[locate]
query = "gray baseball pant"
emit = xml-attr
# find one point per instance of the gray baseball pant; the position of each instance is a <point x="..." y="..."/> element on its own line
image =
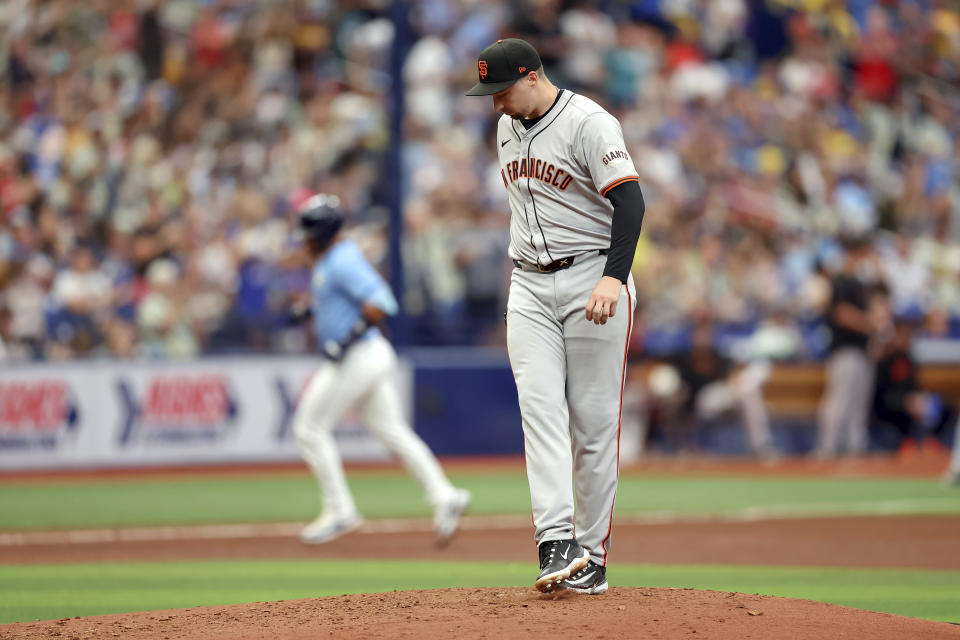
<point x="845" y="408"/>
<point x="569" y="374"/>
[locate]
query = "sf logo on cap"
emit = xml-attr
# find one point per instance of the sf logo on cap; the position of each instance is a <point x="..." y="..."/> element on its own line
<point x="483" y="69"/>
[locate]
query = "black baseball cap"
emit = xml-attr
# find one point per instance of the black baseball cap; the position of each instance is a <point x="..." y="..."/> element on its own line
<point x="503" y="63"/>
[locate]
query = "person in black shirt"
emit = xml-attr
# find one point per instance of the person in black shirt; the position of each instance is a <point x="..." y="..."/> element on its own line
<point x="715" y="385"/>
<point x="845" y="407"/>
<point x="900" y="401"/>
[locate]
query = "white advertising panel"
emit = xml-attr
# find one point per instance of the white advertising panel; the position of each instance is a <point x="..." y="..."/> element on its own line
<point x="115" y="414"/>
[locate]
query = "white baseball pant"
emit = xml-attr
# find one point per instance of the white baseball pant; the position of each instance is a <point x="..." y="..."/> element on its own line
<point x="363" y="378"/>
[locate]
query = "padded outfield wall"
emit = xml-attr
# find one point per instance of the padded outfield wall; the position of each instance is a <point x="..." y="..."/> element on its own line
<point x="116" y="414"/>
<point x="235" y="410"/>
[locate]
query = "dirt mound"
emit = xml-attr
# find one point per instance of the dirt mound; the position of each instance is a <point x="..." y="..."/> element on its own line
<point x="624" y="612"/>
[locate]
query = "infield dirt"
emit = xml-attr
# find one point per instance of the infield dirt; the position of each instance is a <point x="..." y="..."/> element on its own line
<point x="909" y="542"/>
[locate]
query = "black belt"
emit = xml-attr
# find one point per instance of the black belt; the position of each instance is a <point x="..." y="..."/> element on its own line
<point x="556" y="265"/>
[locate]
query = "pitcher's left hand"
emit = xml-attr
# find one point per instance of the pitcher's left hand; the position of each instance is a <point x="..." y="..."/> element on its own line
<point x="603" y="301"/>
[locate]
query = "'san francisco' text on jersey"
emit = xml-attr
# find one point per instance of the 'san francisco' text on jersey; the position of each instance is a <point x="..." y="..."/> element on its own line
<point x="537" y="169"/>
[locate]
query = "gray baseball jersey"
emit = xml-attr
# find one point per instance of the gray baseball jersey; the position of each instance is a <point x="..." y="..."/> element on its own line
<point x="557" y="174"/>
<point x="569" y="371"/>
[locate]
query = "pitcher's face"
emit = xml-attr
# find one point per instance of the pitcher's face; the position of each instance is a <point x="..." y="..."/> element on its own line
<point x="518" y="100"/>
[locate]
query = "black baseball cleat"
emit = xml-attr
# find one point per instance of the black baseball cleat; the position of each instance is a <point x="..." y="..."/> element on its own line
<point x="559" y="559"/>
<point x="591" y="580"/>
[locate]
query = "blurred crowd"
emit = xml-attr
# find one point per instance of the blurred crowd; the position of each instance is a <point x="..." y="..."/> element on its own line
<point x="150" y="151"/>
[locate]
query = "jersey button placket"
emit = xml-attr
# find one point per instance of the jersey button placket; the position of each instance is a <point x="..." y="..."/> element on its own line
<point x="524" y="191"/>
<point x="527" y="189"/>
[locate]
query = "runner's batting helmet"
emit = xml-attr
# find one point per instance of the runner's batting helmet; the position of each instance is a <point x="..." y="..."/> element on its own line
<point x="320" y="218"/>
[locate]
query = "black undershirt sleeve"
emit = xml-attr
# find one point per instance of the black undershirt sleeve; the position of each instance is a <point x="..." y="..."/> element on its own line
<point x="628" y="211"/>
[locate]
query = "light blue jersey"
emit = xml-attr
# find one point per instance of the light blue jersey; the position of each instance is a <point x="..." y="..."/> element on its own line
<point x="342" y="281"/>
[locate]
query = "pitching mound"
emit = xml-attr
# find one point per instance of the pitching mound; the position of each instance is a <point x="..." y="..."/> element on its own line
<point x="501" y="612"/>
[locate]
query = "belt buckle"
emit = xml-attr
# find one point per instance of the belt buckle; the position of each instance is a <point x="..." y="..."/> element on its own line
<point x="556" y="265"/>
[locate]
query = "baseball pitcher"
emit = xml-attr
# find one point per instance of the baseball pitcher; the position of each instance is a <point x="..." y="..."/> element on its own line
<point x="576" y="211"/>
<point x="348" y="300"/>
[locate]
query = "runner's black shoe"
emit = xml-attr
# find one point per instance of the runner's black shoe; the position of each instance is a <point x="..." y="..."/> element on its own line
<point x="559" y="559"/>
<point x="591" y="580"/>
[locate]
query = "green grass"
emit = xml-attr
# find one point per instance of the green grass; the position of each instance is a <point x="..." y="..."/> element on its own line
<point x="232" y="497"/>
<point x="29" y="592"/>
<point x="32" y="592"/>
